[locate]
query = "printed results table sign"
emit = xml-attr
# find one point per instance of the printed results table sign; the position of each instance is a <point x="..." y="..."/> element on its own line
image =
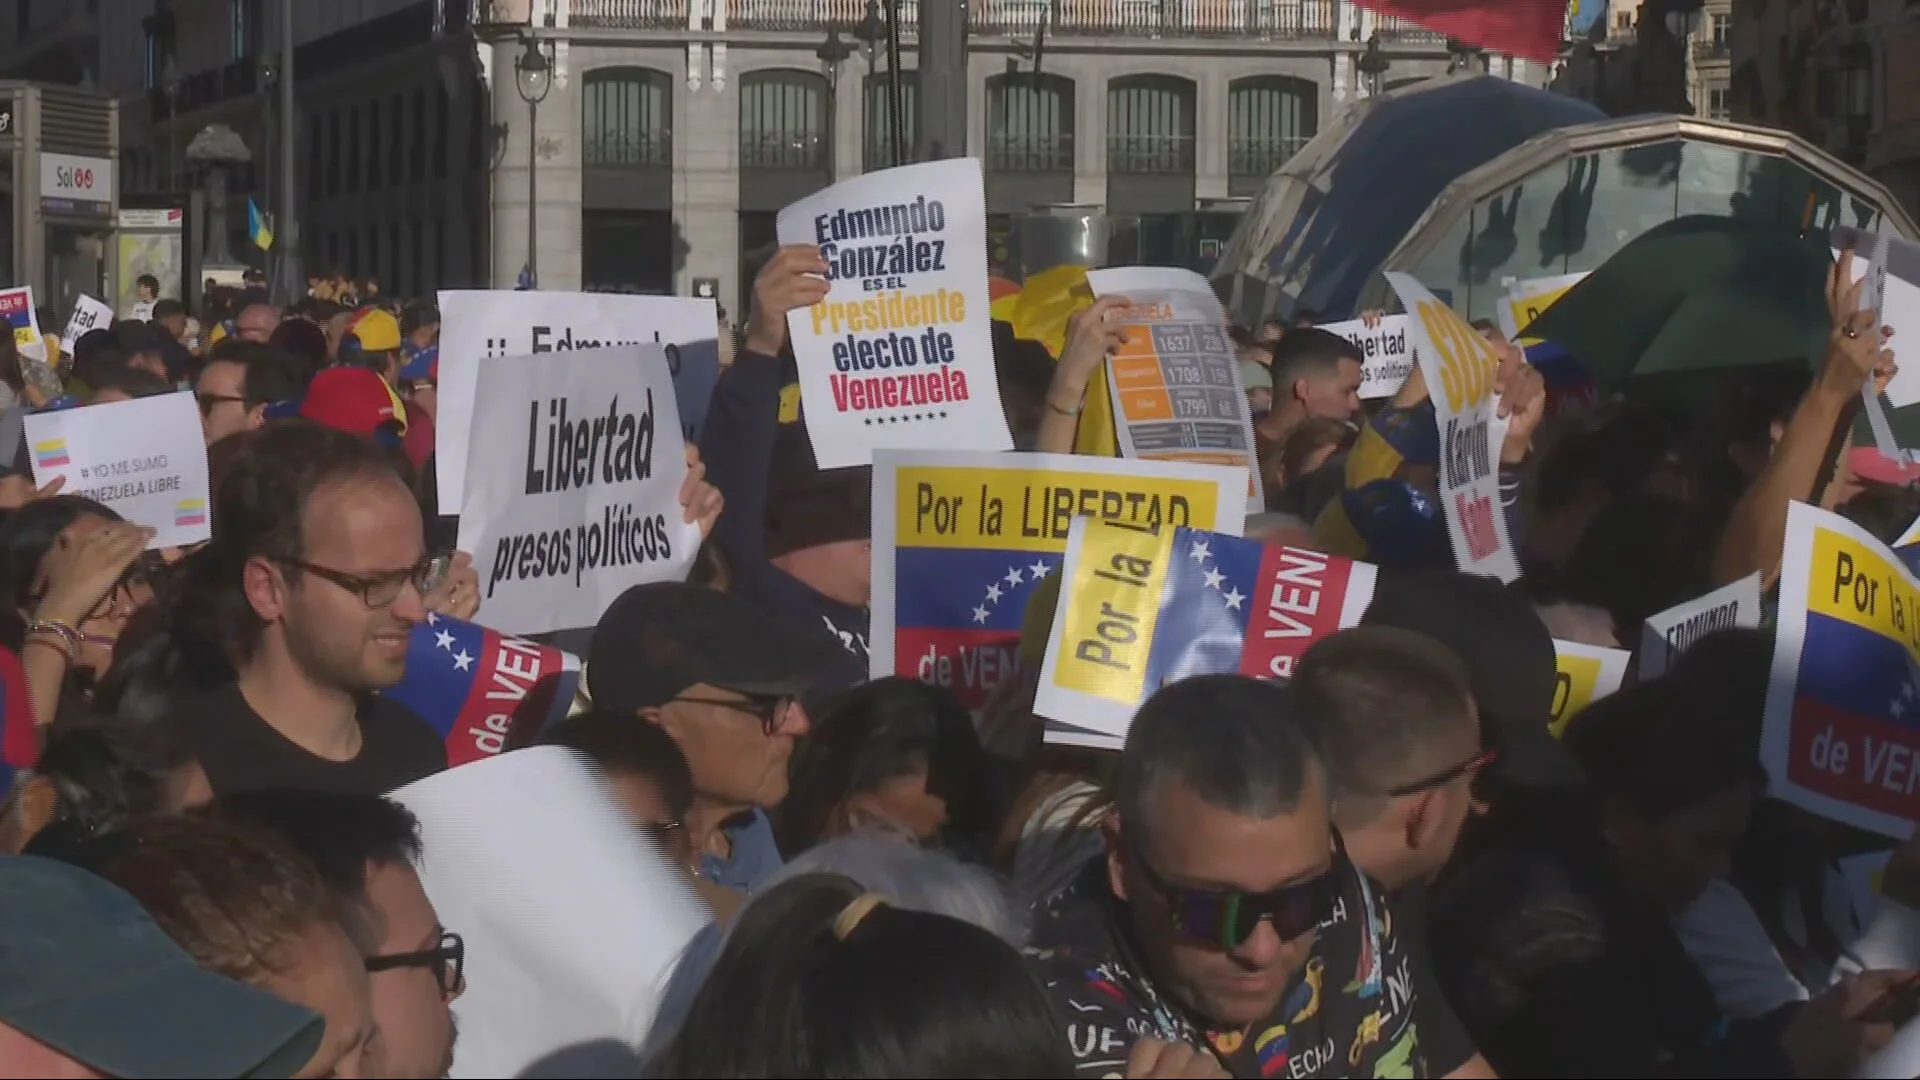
<point x="1583" y="674"/>
<point x="481" y="324"/>
<point x="961" y="540"/>
<point x="145" y="458"/>
<point x="1842" y="726"/>
<point x="577" y="497"/>
<point x="1388" y="352"/>
<point x="900" y="353"/>
<point x="1143" y="607"/>
<point x="1175" y="383"/>
<point x="1459" y="366"/>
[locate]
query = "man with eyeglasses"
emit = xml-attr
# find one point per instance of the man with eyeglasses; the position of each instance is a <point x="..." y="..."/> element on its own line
<point x="724" y="681"/>
<point x="1226" y="914"/>
<point x="238" y="383"/>
<point x="366" y="848"/>
<point x="316" y="574"/>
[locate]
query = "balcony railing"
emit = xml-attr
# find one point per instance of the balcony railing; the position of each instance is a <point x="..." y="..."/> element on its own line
<point x="1030" y="153"/>
<point x="628" y="150"/>
<point x="1315" y="20"/>
<point x="1150" y="155"/>
<point x="1711" y="50"/>
<point x="784" y="151"/>
<point x="1261" y="157"/>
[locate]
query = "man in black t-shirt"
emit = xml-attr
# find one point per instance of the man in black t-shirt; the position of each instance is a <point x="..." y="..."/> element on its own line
<point x="320" y="548"/>
<point x="1226" y="914"/>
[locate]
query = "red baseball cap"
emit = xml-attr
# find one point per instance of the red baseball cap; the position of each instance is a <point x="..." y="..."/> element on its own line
<point x="1868" y="463"/>
<point x="354" y="400"/>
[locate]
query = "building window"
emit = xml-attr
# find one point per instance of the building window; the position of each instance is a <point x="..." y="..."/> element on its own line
<point x="1719" y="32"/>
<point x="243" y="29"/>
<point x="1150" y="125"/>
<point x="373" y="145"/>
<point x="418" y="150"/>
<point x="1717" y="104"/>
<point x="1623" y="20"/>
<point x="1269" y="118"/>
<point x="879" y="151"/>
<point x="315" y="159"/>
<point x="152" y="63"/>
<point x="1030" y="123"/>
<point x="785" y="121"/>
<point x="440" y="111"/>
<point x="626" y="117"/>
<point x="333" y="152"/>
<point x="397" y="140"/>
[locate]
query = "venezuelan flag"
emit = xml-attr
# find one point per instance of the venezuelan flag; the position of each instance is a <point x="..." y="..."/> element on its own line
<point x="51" y="454"/>
<point x="257" y="227"/>
<point x="189" y="512"/>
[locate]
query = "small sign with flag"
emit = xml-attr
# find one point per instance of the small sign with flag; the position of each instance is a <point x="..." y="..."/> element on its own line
<point x="479" y="688"/>
<point x="259" y="226"/>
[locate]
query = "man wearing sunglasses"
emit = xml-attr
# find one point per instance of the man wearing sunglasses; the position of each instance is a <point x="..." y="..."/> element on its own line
<point x="1393" y="715"/>
<point x="1225" y="914"/>
<point x="366" y="848"/>
<point x="725" y="682"/>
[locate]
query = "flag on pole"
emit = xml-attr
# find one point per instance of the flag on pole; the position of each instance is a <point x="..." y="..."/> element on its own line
<point x="1529" y="29"/>
<point x="258" y="228"/>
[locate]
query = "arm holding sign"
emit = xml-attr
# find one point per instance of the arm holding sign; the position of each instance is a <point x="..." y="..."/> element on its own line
<point x="1757" y="528"/>
<point x="1091" y="337"/>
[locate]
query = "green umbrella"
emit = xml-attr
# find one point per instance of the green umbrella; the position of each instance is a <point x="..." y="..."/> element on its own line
<point x="1695" y="294"/>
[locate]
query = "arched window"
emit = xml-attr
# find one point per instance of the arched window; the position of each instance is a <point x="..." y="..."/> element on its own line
<point x="1269" y="118"/>
<point x="880" y="152"/>
<point x="1150" y="120"/>
<point x="1029" y="123"/>
<point x="626" y="118"/>
<point x="786" y="121"/>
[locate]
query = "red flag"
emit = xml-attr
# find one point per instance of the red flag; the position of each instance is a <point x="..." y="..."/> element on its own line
<point x="1530" y="29"/>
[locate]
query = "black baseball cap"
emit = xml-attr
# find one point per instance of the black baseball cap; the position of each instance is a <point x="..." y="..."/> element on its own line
<point x="90" y="974"/>
<point x="657" y="640"/>
<point x="1509" y="656"/>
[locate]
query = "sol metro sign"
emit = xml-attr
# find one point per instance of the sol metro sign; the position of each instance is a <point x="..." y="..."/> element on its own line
<point x="71" y="184"/>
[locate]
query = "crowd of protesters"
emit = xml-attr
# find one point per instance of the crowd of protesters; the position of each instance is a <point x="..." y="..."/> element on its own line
<point x="1388" y="866"/>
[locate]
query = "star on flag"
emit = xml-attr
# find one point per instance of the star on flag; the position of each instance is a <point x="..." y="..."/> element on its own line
<point x="1201" y="553"/>
<point x="1015" y="577"/>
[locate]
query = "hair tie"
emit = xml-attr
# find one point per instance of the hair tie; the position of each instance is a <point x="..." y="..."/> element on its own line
<point x="855" y="913"/>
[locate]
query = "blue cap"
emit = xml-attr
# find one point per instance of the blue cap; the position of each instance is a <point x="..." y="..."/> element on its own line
<point x="91" y="975"/>
<point x="422" y="364"/>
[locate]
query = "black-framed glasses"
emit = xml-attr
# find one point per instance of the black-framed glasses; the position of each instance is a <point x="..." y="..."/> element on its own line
<point x="209" y="402"/>
<point x="1227" y="917"/>
<point x="1470" y="767"/>
<point x="770" y="711"/>
<point x="382" y="587"/>
<point x="447" y="961"/>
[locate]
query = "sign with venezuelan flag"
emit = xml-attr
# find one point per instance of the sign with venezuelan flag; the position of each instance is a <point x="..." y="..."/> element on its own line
<point x="1143" y="606"/>
<point x="962" y="538"/>
<point x="1583" y="675"/>
<point x="16" y="308"/>
<point x="483" y="691"/>
<point x="146" y="458"/>
<point x="1842" y="730"/>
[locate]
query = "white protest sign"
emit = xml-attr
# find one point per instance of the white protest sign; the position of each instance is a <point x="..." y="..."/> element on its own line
<point x="1889" y="269"/>
<point x="1174" y="383"/>
<point x="146" y="458"/>
<point x="88" y="315"/>
<point x="1459" y="365"/>
<point x="1388" y="350"/>
<point x="1527" y="298"/>
<point x="574" y="495"/>
<point x="900" y="353"/>
<point x="483" y="323"/>
<point x="1672" y="632"/>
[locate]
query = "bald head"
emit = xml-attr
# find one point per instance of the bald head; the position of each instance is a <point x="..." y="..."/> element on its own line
<point x="255" y="323"/>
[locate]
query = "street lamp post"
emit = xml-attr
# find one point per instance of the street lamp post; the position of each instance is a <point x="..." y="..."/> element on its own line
<point x="832" y="53"/>
<point x="533" y="78"/>
<point x="1374" y="65"/>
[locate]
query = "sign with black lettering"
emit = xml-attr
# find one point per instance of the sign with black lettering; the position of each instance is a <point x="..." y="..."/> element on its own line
<point x="1675" y="630"/>
<point x="575" y="494"/>
<point x="146" y="458"/>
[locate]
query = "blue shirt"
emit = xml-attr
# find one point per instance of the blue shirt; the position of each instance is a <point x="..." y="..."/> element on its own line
<point x="754" y="854"/>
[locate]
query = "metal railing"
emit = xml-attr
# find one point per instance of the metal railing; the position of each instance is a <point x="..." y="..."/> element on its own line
<point x="628" y="149"/>
<point x="1261" y="157"/>
<point x="1051" y="152"/>
<point x="1153" y="155"/>
<point x="1394" y="28"/>
<point x="784" y="151"/>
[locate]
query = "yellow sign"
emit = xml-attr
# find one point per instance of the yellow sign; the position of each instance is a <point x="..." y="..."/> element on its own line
<point x="1856" y="584"/>
<point x="947" y="506"/>
<point x="1467" y="362"/>
<point x="1527" y="299"/>
<point x="1584" y="675"/>
<point x="1102" y="642"/>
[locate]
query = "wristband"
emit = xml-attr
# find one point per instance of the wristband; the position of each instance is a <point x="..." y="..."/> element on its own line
<point x="51" y="630"/>
<point x="1075" y="411"/>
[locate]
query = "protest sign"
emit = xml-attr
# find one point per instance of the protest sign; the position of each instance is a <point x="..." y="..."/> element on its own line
<point x="1583" y="674"/>
<point x="487" y="323"/>
<point x="146" y="458"/>
<point x="1910" y="536"/>
<point x="1890" y="268"/>
<point x="900" y="353"/>
<point x="1526" y="299"/>
<point x="88" y="315"/>
<point x="1142" y="607"/>
<point x="478" y="687"/>
<point x="588" y="503"/>
<point x="1388" y="350"/>
<point x="16" y="307"/>
<point x="1459" y="367"/>
<point x="1843" y="708"/>
<point x="1673" y="631"/>
<point x="1175" y="382"/>
<point x="961" y="538"/>
<point x="572" y="920"/>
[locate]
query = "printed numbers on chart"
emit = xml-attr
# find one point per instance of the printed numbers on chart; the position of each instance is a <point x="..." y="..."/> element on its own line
<point x="1193" y="410"/>
<point x="1466" y="372"/>
<point x="1185" y="376"/>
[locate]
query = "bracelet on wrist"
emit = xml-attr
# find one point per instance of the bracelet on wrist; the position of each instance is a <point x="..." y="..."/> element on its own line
<point x="55" y="632"/>
<point x="1057" y="407"/>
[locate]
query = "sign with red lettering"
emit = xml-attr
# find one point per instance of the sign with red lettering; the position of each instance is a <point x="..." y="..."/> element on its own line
<point x="1459" y="366"/>
<point x="481" y="690"/>
<point x="900" y="353"/>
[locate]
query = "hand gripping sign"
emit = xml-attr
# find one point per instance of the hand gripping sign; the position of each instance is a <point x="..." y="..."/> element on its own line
<point x="1143" y="607"/>
<point x="1459" y="366"/>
